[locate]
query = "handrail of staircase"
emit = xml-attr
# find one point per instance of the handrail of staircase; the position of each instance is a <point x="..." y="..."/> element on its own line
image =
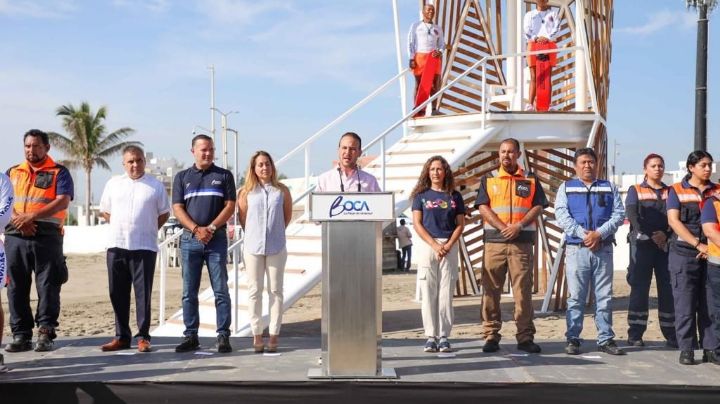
<point x="304" y="194"/>
<point x="381" y="138"/>
<point x="340" y="118"/>
<point x="163" y="261"/>
<point x="451" y="83"/>
<point x="520" y="85"/>
<point x="236" y="250"/>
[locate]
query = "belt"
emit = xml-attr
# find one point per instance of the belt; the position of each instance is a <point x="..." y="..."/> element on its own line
<point x="581" y="245"/>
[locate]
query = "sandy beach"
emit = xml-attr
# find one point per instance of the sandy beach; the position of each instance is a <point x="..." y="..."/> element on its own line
<point x="86" y="309"/>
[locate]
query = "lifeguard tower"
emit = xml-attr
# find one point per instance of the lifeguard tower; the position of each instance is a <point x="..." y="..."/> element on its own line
<point x="481" y="101"/>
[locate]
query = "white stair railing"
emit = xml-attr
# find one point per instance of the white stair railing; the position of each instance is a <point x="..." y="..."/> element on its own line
<point x="162" y="260"/>
<point x="305" y="146"/>
<point x="236" y="247"/>
<point x="235" y="250"/>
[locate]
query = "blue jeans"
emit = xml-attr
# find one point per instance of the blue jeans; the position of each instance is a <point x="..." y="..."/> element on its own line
<point x="585" y="269"/>
<point x="214" y="255"/>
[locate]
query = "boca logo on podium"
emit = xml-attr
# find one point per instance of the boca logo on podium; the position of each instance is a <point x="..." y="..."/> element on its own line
<point x="346" y="206"/>
<point x="352" y="206"/>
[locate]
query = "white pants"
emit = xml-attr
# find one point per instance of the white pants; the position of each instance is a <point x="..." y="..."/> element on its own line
<point x="258" y="268"/>
<point x="437" y="282"/>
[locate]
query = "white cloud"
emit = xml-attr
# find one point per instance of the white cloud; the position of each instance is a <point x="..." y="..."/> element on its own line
<point x="661" y="20"/>
<point x="36" y="8"/>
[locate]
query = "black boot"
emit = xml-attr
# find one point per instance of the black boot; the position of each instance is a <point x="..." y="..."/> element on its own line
<point x="20" y="343"/>
<point x="687" y="357"/>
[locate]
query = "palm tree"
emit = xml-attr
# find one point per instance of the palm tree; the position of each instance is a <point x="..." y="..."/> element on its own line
<point x="704" y="7"/>
<point x="88" y="144"/>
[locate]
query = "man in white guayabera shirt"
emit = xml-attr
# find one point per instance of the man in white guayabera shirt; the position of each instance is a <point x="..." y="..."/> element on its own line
<point x="136" y="205"/>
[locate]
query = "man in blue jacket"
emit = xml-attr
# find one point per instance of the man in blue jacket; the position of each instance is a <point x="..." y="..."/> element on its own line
<point x="589" y="210"/>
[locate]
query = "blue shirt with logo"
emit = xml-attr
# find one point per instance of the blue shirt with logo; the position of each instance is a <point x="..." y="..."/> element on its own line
<point x="203" y="192"/>
<point x="439" y="211"/>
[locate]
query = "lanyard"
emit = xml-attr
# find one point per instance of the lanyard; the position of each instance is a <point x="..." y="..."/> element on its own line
<point x="342" y="186"/>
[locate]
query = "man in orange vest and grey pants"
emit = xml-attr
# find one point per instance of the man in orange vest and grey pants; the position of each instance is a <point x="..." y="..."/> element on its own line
<point x="509" y="204"/>
<point x="34" y="243"/>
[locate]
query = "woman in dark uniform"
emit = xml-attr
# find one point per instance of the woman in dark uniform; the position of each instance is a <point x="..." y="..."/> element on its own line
<point x="687" y="258"/>
<point x="646" y="211"/>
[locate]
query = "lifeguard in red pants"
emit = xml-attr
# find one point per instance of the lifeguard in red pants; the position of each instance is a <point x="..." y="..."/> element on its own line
<point x="540" y="28"/>
<point x="425" y="46"/>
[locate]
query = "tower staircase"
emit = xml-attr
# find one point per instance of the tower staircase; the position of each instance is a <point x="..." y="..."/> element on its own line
<point x="481" y="102"/>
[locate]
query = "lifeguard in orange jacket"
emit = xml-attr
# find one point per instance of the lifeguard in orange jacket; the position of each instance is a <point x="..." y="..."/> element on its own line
<point x="687" y="259"/>
<point x="648" y="237"/>
<point x="509" y="204"/>
<point x="43" y="190"/>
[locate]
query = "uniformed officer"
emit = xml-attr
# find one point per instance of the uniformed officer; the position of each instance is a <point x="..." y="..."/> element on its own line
<point x="509" y="204"/>
<point x="687" y="258"/>
<point x="34" y="243"/>
<point x="649" y="231"/>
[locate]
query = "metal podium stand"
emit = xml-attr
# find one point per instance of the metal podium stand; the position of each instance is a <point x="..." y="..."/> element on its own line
<point x="351" y="283"/>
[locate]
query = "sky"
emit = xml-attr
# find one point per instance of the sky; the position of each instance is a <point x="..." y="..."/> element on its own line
<point x="288" y="67"/>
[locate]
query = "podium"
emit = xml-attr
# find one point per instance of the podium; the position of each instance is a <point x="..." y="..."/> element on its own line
<point x="351" y="283"/>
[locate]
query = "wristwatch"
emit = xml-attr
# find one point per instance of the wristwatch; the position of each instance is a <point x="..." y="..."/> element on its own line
<point x="212" y="227"/>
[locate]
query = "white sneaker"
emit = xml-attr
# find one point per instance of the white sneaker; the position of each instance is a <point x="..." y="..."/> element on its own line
<point x="529" y="107"/>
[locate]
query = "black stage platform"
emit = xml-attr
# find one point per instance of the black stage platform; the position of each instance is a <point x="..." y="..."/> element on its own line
<point x="76" y="371"/>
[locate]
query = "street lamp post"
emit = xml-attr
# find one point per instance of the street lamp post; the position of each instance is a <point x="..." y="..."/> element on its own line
<point x="704" y="7"/>
<point x="224" y="134"/>
<point x="212" y="101"/>
<point x="236" y="173"/>
<point x="615" y="154"/>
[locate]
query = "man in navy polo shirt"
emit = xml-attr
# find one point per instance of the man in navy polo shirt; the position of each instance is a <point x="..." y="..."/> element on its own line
<point x="203" y="201"/>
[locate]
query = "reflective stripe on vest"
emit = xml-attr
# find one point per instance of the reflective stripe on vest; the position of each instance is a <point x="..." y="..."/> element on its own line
<point x="590" y="207"/>
<point x="690" y="205"/>
<point x="29" y="197"/>
<point x="649" y="194"/>
<point x="505" y="201"/>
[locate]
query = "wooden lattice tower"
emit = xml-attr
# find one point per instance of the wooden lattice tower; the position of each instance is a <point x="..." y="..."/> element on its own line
<point x="473" y="30"/>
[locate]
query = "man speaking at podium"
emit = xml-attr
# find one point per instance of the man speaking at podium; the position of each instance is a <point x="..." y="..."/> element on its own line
<point x="347" y="176"/>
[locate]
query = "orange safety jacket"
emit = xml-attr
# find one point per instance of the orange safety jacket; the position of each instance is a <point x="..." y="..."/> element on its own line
<point x="714" y="250"/>
<point x="690" y="206"/>
<point x="648" y="194"/>
<point x="34" y="189"/>
<point x="511" y="198"/>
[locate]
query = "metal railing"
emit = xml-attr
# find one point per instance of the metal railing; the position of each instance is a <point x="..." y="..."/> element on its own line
<point x="236" y="247"/>
<point x="234" y="250"/>
<point x="383" y="135"/>
<point x="520" y="85"/>
<point x="163" y="248"/>
<point x="305" y="146"/>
